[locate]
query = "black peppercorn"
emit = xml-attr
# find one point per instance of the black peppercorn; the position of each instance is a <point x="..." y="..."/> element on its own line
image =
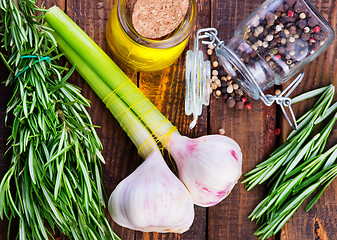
<point x="230" y="102"/>
<point x="224" y="84"/>
<point x="302" y="23"/>
<point x="285" y="20"/>
<point x="237" y="97"/>
<point x="305" y="36"/>
<point x="273" y="43"/>
<point x="299" y="7"/>
<point x="246" y="57"/>
<point x="312" y="22"/>
<point x="240" y="105"/>
<point x="292" y="30"/>
<point x="225" y="95"/>
<point x="319" y="36"/>
<point x="290" y="46"/>
<point x="299" y="31"/>
<point x="281" y="50"/>
<point x="270" y="17"/>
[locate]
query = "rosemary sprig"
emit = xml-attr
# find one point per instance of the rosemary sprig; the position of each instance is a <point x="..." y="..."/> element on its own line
<point x="297" y="168"/>
<point x="285" y="155"/>
<point x="54" y="179"/>
<point x="275" y="210"/>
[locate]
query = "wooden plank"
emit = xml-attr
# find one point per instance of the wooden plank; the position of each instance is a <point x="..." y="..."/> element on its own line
<point x="166" y="89"/>
<point x="120" y="154"/>
<point x="320" y="222"/>
<point x="253" y="130"/>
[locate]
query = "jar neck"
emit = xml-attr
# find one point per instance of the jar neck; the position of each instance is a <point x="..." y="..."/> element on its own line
<point x="171" y="40"/>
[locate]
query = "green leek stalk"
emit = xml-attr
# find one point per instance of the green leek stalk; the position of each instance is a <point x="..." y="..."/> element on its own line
<point x="101" y="64"/>
<point x="135" y="129"/>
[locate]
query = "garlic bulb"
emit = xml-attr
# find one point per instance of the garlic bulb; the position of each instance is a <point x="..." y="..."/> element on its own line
<point x="152" y="199"/>
<point x="209" y="166"/>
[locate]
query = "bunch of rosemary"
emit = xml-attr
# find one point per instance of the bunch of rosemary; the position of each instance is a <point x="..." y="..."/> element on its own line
<point x="54" y="179"/>
<point x="297" y="168"/>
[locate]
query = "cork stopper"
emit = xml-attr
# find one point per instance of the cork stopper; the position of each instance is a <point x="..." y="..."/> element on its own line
<point x="156" y="18"/>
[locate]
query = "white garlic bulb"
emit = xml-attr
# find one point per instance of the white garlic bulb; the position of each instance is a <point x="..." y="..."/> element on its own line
<point x="209" y="166"/>
<point x="152" y="199"/>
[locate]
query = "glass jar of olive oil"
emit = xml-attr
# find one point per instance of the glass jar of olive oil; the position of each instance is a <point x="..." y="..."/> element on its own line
<point x="141" y="53"/>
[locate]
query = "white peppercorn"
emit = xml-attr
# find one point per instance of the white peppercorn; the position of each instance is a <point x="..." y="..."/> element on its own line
<point x="211" y="46"/>
<point x="292" y="39"/>
<point x="222" y="131"/>
<point x="215" y="64"/>
<point x="278" y="28"/>
<point x="269" y="37"/>
<point x="209" y="52"/>
<point x="214" y="78"/>
<point x="230" y="88"/>
<point x="235" y="86"/>
<point x="277" y="92"/>
<point x="302" y="15"/>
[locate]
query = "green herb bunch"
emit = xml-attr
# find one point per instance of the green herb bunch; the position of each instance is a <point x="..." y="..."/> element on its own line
<point x="297" y="168"/>
<point x="54" y="180"/>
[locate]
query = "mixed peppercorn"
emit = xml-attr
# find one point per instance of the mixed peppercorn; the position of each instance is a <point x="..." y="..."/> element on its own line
<point x="223" y="86"/>
<point x="284" y="34"/>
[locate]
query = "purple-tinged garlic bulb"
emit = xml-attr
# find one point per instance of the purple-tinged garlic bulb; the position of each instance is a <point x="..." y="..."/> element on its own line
<point x="152" y="199"/>
<point x="209" y="166"/>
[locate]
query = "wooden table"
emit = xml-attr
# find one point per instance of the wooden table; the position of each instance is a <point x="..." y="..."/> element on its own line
<point x="252" y="129"/>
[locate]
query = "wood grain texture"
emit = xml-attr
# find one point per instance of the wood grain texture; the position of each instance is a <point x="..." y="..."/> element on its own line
<point x="120" y="154"/>
<point x="320" y="222"/>
<point x="252" y="129"/>
<point x="166" y="89"/>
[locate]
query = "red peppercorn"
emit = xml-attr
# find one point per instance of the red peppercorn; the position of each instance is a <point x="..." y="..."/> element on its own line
<point x="290" y="13"/>
<point x="277" y="131"/>
<point x="244" y="99"/>
<point x="248" y="105"/>
<point x="278" y="56"/>
<point x="317" y="29"/>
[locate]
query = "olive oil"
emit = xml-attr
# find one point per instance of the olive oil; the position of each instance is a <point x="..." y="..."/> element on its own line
<point x="144" y="54"/>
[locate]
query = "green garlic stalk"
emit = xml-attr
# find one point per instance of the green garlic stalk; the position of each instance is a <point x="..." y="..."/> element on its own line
<point x="151" y="198"/>
<point x="208" y="175"/>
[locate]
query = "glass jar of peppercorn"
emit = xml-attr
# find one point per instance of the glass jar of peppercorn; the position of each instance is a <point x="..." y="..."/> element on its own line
<point x="274" y="43"/>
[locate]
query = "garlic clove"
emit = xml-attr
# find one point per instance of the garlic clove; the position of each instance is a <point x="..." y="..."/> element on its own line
<point x="209" y="166"/>
<point x="152" y="199"/>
